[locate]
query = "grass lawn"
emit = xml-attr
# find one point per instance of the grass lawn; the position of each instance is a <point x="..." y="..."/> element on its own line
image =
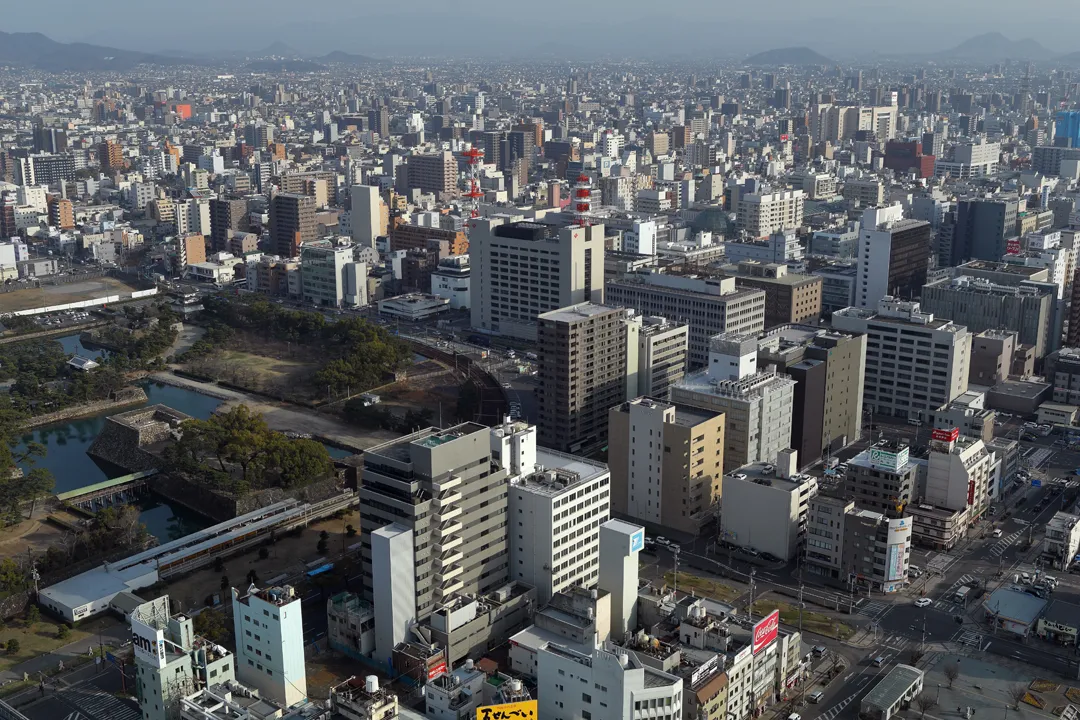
<point x="38" y="639"/>
<point x="703" y="586"/>
<point x="812" y="621"/>
<point x="262" y="365"/>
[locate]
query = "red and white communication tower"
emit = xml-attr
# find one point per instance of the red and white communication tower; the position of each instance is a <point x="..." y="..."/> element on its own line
<point x="475" y="157"/>
<point x="582" y="200"/>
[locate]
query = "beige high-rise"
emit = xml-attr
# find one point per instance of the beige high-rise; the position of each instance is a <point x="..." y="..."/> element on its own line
<point x="666" y="462"/>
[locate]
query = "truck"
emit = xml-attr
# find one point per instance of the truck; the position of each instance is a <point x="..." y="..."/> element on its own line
<point x="961" y="594"/>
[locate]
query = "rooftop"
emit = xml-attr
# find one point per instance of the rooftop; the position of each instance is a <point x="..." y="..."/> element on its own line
<point x="1063" y="613"/>
<point x="765" y="474"/>
<point x="574" y="313"/>
<point x="1014" y="605"/>
<point x="743" y="389"/>
<point x="560" y="472"/>
<point x="893" y="686"/>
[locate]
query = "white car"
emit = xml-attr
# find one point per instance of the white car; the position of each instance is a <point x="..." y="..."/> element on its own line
<point x="923" y="602"/>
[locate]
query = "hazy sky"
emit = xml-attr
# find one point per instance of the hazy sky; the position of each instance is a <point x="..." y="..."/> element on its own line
<point x="836" y="28"/>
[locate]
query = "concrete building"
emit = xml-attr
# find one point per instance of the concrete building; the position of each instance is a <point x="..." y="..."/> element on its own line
<point x="292" y="223"/>
<point x="350" y="625"/>
<point x="982" y="228"/>
<point x="436" y="173"/>
<point x="191" y="250"/>
<point x="1062" y="369"/>
<point x="992" y="356"/>
<point x="269" y="629"/>
<point x="967" y="413"/>
<point x="757" y="405"/>
<point x="170" y="660"/>
<point x="867" y="193"/>
<point x="781" y="247"/>
<point x="789" y="297"/>
<point x="914" y="362"/>
<point x="329" y="277"/>
<point x="676" y="481"/>
<point x="659" y="359"/>
<point x="365" y="214"/>
<point x="838" y="283"/>
<point x="520" y="270"/>
<point x="760" y="215"/>
<point x="1027" y="308"/>
<point x="959" y="474"/>
<point x="893" y="255"/>
<point x="852" y="547"/>
<point x="357" y="699"/>
<point x="708" y="306"/>
<point x="466" y="626"/>
<point x="452" y="280"/>
<point x="1061" y="543"/>
<point x="556" y="509"/>
<point x="828" y="367"/>
<point x="766" y="506"/>
<point x="226" y="214"/>
<point x="457" y="694"/>
<point x="883" y="478"/>
<point x="582" y="372"/>
<point x="435" y="501"/>
<point x="893" y="693"/>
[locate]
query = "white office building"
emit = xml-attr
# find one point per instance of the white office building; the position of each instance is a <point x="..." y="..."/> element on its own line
<point x="914" y="362"/>
<point x="959" y="474"/>
<point x="365" y="214"/>
<point x="329" y="277"/>
<point x="757" y="406"/>
<point x="887" y="241"/>
<point x="520" y="270"/>
<point x="557" y="503"/>
<point x="760" y="215"/>
<point x="268" y="626"/>
<point x="451" y="280"/>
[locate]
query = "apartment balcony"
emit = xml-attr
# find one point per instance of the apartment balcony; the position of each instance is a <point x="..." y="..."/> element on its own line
<point x="445" y="590"/>
<point x="447" y="499"/>
<point x="448" y="573"/>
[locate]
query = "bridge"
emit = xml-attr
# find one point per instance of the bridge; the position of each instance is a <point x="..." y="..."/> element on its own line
<point x="117" y="491"/>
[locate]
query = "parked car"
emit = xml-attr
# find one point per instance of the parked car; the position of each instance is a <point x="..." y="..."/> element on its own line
<point x="816" y="696"/>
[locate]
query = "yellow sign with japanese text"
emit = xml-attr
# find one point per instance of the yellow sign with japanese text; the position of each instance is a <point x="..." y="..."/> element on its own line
<point x="509" y="711"/>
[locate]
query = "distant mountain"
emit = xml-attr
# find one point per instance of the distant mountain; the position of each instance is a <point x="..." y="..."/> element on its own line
<point x="284" y="66"/>
<point x="36" y="50"/>
<point x="345" y="58"/>
<point x="278" y="48"/>
<point x="995" y="46"/>
<point x="788" y="56"/>
<point x="1073" y="57"/>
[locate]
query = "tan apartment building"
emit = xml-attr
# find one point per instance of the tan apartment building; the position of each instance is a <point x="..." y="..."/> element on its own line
<point x="192" y="249"/>
<point x="582" y="373"/>
<point x="789" y="297"/>
<point x="292" y="223"/>
<point x="666" y="462"/>
<point x="761" y="215"/>
<point x="435" y="173"/>
<point x="656" y="355"/>
<point x="415" y="237"/>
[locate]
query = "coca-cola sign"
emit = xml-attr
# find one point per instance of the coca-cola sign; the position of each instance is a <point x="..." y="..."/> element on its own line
<point x="765" y="631"/>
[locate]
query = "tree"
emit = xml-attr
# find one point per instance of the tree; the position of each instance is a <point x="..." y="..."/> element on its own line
<point x="225" y="582"/>
<point x="350" y="531"/>
<point x="321" y="546"/>
<point x="952" y="671"/>
<point x="213" y="625"/>
<point x="62" y="632"/>
<point x="13" y="646"/>
<point x="916" y="655"/>
<point x="324" y="535"/>
<point x="219" y="565"/>
<point x="36" y="484"/>
<point x="1017" y="693"/>
<point x="33" y="615"/>
<point x="925" y="701"/>
<point x="252" y="577"/>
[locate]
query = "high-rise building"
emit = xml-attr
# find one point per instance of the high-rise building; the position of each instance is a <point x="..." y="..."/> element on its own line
<point x="983" y="228"/>
<point x="709" y="306"/>
<point x="191" y="250"/>
<point x="434" y="501"/>
<point x="49" y="139"/>
<point x="268" y="626"/>
<point x="760" y="215"/>
<point x="959" y="474"/>
<point x="292" y="223"/>
<point x="549" y="271"/>
<point x="379" y="121"/>
<point x="436" y="173"/>
<point x="914" y="361"/>
<point x="259" y="135"/>
<point x="659" y="359"/>
<point x="49" y="169"/>
<point x="789" y="297"/>
<point x="1067" y="128"/>
<point x="893" y="256"/>
<point x="828" y="368"/>
<point x="225" y="214"/>
<point x="756" y="404"/>
<point x="365" y="214"/>
<point x="329" y="277"/>
<point x="765" y="506"/>
<point x="582" y="373"/>
<point x="61" y="213"/>
<point x="851" y="546"/>
<point x="883" y="478"/>
<point x="557" y="503"/>
<point x="111" y="157"/>
<point x="676" y="480"/>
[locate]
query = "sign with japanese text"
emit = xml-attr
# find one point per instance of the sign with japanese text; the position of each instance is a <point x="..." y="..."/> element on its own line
<point x="526" y="710"/>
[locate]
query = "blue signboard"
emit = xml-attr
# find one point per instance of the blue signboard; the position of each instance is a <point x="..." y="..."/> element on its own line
<point x="637" y="541"/>
<point x="1036" y="483"/>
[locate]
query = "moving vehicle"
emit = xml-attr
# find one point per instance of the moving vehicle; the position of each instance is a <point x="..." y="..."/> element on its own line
<point x="961" y="594"/>
<point x="819" y="650"/>
<point x="879" y="661"/>
<point x="923" y="602"/>
<point x="997" y="533"/>
<point x="914" y="421"/>
<point x="816" y="696"/>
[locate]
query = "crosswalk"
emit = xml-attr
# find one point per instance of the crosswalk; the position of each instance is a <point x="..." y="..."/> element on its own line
<point x="945" y="600"/>
<point x="890" y="649"/>
<point x="970" y="638"/>
<point x="940" y="562"/>
<point x="874" y="609"/>
<point x="1004" y="543"/>
<point x="93" y="704"/>
<point x="839" y="707"/>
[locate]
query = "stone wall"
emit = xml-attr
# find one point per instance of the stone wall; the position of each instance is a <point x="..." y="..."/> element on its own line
<point x="125" y="439"/>
<point x="123" y="398"/>
<point x="221" y="506"/>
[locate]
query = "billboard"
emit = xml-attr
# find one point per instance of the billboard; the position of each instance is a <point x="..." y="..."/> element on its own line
<point x="524" y="710"/>
<point x="971" y="492"/>
<point x="637" y="540"/>
<point x="1012" y="246"/>
<point x="891" y="461"/>
<point x="896" y="562"/>
<point x="945" y="435"/>
<point x="765" y="631"/>
<point x="899" y="531"/>
<point x="436" y="670"/>
<point x="149" y="643"/>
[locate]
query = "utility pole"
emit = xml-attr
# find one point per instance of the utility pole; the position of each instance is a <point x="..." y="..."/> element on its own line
<point x="750" y="606"/>
<point x="922" y="648"/>
<point x="675" y="555"/>
<point x="800" y="607"/>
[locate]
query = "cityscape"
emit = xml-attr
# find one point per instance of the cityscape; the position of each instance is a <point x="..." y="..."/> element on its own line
<point x="325" y="370"/>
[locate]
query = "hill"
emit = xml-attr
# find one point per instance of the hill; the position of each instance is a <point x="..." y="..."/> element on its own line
<point x="278" y="48"/>
<point x="284" y="66"/>
<point x="995" y="46"/>
<point x="39" y="51"/>
<point x="789" y="56"/>
<point x="345" y="58"/>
